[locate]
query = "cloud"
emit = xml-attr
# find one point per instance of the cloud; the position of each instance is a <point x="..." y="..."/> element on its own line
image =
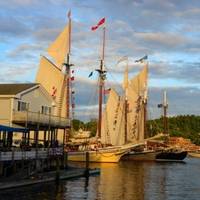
<point x="185" y="71"/>
<point x="25" y="51"/>
<point x="12" y="26"/>
<point x="12" y="73"/>
<point x="168" y="31"/>
<point x="167" y="40"/>
<point x="181" y="100"/>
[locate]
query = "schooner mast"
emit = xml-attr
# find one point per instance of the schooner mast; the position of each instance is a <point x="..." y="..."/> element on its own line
<point x="67" y="77"/>
<point x="125" y="86"/>
<point x="58" y="73"/>
<point x="164" y="105"/>
<point x="67" y="70"/>
<point x="102" y="75"/>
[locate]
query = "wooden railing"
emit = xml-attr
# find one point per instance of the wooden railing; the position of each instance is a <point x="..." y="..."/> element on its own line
<point x="29" y="155"/>
<point x="39" y="118"/>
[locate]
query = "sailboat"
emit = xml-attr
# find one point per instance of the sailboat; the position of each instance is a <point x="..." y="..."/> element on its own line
<point x="117" y="128"/>
<point x="158" y="154"/>
<point x="108" y="151"/>
<point x="170" y="153"/>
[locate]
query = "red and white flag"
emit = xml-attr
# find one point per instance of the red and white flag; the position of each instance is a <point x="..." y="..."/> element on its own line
<point x="102" y="21"/>
<point x="72" y="78"/>
<point x="54" y="91"/>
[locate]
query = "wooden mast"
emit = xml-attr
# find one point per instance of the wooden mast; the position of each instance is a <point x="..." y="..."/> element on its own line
<point x="126" y="106"/>
<point x="145" y="117"/>
<point x="165" y="112"/>
<point x="145" y="108"/>
<point x="68" y="78"/>
<point x="102" y="74"/>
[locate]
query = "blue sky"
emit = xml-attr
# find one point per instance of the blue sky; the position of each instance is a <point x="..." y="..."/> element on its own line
<point x="168" y="31"/>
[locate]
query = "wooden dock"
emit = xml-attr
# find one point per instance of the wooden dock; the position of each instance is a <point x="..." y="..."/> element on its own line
<point x="49" y="177"/>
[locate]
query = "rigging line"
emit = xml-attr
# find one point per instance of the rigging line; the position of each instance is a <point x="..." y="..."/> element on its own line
<point x="154" y="124"/>
<point x="92" y="98"/>
<point x="115" y="80"/>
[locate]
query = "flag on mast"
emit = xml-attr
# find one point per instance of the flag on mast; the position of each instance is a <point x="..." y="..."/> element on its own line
<point x="102" y="21"/>
<point x="143" y="59"/>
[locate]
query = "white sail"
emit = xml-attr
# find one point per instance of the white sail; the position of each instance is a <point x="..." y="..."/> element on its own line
<point x="132" y="132"/>
<point x="60" y="47"/>
<point x="112" y="121"/>
<point x="137" y="93"/>
<point x="139" y="83"/>
<point x="125" y="81"/>
<point x="51" y="78"/>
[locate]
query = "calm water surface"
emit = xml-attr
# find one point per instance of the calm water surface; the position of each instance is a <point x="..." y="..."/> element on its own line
<point x="123" y="181"/>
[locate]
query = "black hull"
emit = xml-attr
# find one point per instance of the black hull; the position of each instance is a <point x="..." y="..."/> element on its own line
<point x="171" y="156"/>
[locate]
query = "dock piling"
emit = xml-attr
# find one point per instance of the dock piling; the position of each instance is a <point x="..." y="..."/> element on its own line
<point x="87" y="163"/>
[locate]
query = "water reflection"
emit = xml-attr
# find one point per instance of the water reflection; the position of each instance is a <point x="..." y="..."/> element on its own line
<point x="122" y="181"/>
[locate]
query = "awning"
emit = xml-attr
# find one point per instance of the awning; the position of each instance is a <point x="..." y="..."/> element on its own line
<point x="12" y="129"/>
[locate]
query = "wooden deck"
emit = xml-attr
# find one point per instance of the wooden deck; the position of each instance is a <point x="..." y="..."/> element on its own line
<point x="27" y="117"/>
<point x="41" y="153"/>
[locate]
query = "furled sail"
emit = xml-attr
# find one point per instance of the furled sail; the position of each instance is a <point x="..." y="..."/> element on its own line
<point x="132" y="131"/>
<point x="139" y="83"/>
<point x="113" y="122"/>
<point x="137" y="91"/>
<point x="60" y="47"/>
<point x="125" y="81"/>
<point x="51" y="78"/>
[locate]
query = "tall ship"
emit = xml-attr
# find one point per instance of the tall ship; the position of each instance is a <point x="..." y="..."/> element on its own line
<point x="58" y="70"/>
<point x="121" y="122"/>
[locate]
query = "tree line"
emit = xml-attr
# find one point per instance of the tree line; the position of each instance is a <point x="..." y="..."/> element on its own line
<point x="186" y="126"/>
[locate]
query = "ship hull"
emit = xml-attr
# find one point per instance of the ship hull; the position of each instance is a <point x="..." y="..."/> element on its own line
<point x="103" y="155"/>
<point x="163" y="155"/>
<point x="171" y="156"/>
<point x="140" y="156"/>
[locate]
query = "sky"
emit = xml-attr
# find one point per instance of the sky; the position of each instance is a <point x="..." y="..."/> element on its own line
<point x="168" y="31"/>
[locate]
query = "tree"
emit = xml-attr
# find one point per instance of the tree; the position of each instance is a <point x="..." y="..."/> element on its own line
<point x="77" y="124"/>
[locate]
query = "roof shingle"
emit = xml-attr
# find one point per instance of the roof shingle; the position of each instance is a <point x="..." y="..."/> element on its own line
<point x="15" y="88"/>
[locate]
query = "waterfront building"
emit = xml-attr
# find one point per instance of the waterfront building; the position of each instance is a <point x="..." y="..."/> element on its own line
<point x="29" y="109"/>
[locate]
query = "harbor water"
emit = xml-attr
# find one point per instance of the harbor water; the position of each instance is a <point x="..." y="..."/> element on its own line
<point x="122" y="181"/>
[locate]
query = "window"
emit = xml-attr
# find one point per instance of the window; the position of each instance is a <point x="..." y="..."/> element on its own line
<point x="46" y="110"/>
<point x="22" y="106"/>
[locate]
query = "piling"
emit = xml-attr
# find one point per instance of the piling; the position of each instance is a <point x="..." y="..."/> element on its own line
<point x="87" y="160"/>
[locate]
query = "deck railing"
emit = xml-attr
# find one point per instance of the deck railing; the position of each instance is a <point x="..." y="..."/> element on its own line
<point x="29" y="155"/>
<point x="39" y="118"/>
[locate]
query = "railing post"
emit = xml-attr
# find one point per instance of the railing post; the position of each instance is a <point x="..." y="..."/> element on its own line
<point x="87" y="160"/>
<point x="37" y="135"/>
<point x="27" y="110"/>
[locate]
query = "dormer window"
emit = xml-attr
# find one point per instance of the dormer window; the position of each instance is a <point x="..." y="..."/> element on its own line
<point x="22" y="106"/>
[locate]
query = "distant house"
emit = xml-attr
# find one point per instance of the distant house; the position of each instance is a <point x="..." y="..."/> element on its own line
<point x="28" y="103"/>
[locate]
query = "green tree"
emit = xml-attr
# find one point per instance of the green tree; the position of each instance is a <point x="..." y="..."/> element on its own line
<point x="77" y="124"/>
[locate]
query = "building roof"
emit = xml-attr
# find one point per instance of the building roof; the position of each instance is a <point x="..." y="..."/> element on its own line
<point x="15" y="88"/>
